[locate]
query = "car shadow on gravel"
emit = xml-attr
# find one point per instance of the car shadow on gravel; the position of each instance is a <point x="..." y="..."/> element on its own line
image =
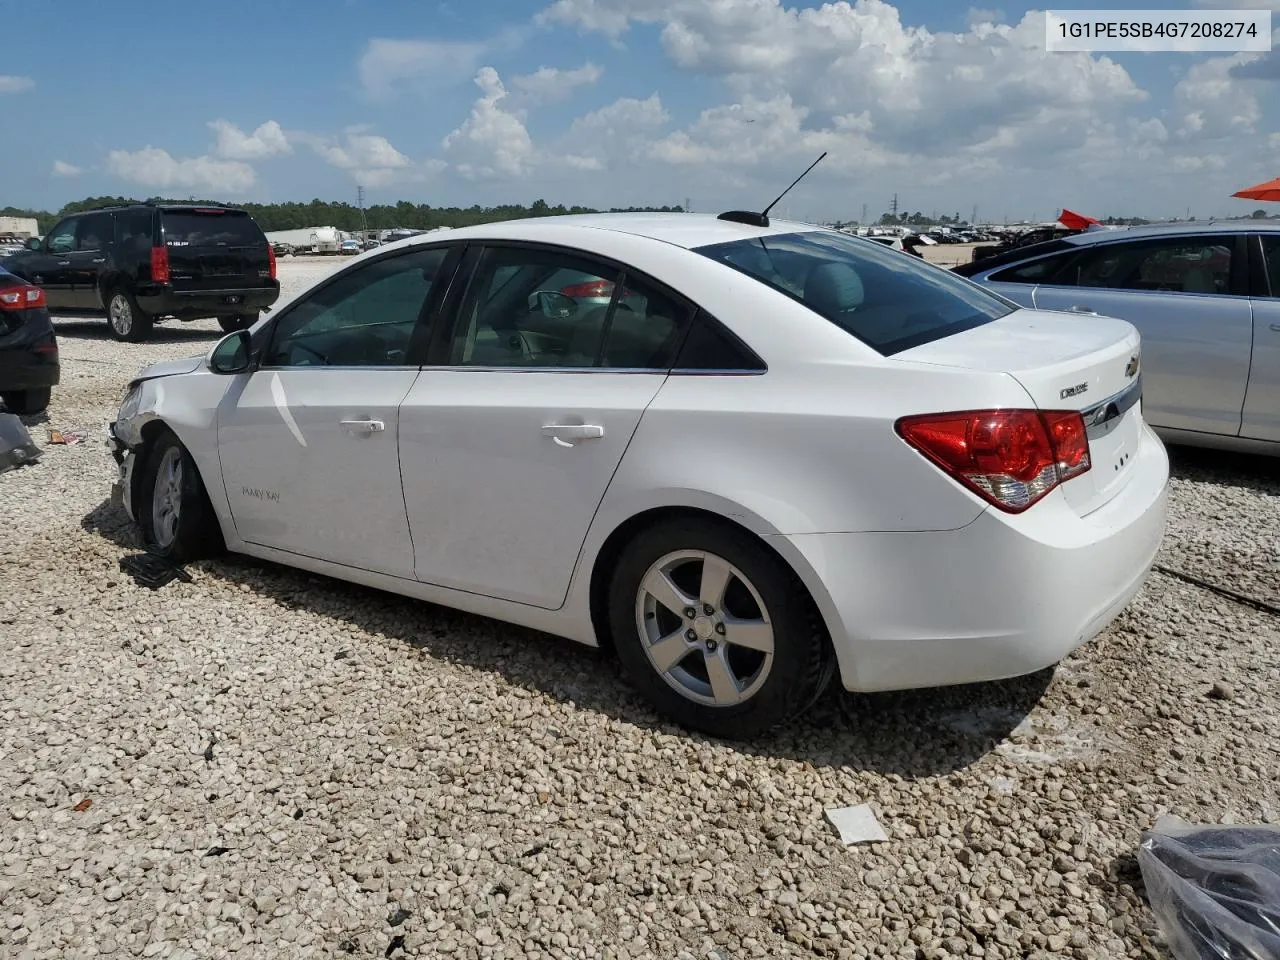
<point x="913" y="734"/>
<point x="1249" y="470"/>
<point x="94" y="329"/>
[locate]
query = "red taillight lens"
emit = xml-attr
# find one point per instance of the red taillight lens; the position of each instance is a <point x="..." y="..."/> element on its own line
<point x="160" y="264"/>
<point x="22" y="298"/>
<point x="271" y="261"/>
<point x="592" y="289"/>
<point x="1010" y="458"/>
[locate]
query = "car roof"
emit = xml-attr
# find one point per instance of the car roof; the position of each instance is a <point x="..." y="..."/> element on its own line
<point x="1155" y="230"/>
<point x="688" y="230"/>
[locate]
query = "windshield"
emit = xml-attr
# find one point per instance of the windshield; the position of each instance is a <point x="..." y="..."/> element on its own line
<point x="182" y="229"/>
<point x="889" y="300"/>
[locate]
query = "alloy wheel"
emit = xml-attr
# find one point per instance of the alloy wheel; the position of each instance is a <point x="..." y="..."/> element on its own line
<point x="120" y="313"/>
<point x="166" y="499"/>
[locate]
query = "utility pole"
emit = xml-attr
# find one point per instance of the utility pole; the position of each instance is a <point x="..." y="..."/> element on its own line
<point x="893" y="206"/>
<point x="364" y="225"/>
<point x="688" y="206"/>
<point x="974" y="221"/>
<point x="863" y="221"/>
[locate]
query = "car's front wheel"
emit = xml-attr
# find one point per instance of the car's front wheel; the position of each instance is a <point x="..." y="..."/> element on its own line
<point x="176" y="517"/>
<point x="26" y="402"/>
<point x="241" y="322"/>
<point x="715" y="630"/>
<point x="126" y="319"/>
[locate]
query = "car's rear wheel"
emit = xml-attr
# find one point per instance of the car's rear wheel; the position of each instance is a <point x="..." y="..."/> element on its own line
<point x="126" y="319"/>
<point x="26" y="402"/>
<point x="241" y="322"/>
<point x="176" y="517"/>
<point x="715" y="630"/>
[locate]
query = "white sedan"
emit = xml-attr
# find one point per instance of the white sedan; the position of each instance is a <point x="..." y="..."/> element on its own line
<point x="745" y="456"/>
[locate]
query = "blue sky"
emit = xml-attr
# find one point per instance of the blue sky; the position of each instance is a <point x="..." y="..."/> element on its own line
<point x="620" y="102"/>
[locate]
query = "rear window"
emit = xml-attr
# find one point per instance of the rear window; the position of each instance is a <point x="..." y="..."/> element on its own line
<point x="191" y="229"/>
<point x="889" y="300"/>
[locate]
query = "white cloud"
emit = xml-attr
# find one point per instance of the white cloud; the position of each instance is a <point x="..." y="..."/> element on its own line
<point x="548" y="84"/>
<point x="369" y="158"/>
<point x="153" y="167"/>
<point x="63" y="169"/>
<point x="1212" y="104"/>
<point x="387" y="63"/>
<point x="492" y="141"/>
<point x="234" y="144"/>
<point x="12" y="84"/>
<point x="980" y="15"/>
<point x="1239" y="4"/>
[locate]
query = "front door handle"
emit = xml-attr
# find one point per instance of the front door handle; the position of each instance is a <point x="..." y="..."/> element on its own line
<point x="567" y="434"/>
<point x="98" y="260"/>
<point x="64" y="263"/>
<point x="363" y="426"/>
<point x="1077" y="308"/>
<point x="1276" y="327"/>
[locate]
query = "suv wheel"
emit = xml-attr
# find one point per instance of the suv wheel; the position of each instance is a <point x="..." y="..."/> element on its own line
<point x="242" y="322"/>
<point x="715" y="630"/>
<point x="125" y="317"/>
<point x="26" y="402"/>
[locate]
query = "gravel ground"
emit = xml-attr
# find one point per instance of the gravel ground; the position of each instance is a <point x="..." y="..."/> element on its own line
<point x="265" y="763"/>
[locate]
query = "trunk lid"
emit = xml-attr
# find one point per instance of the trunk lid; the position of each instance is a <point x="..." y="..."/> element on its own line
<point x="1065" y="361"/>
<point x="215" y="249"/>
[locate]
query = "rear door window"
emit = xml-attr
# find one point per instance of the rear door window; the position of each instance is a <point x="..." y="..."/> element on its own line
<point x="1172" y="265"/>
<point x="213" y="229"/>
<point x="1271" y="251"/>
<point x="889" y="300"/>
<point x="133" y="229"/>
<point x="95" y="231"/>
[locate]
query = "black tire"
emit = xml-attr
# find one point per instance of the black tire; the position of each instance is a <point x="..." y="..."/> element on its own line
<point x="26" y="403"/>
<point x="125" y="319"/>
<point x="802" y="660"/>
<point x="196" y="533"/>
<point x="242" y="322"/>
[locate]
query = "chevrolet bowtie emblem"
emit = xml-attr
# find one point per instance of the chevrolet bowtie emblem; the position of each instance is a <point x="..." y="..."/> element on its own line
<point x="1131" y="369"/>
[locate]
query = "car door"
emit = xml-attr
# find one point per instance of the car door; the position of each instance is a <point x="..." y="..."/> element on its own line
<point x="94" y="233"/>
<point x="1261" y="418"/>
<point x="1188" y="297"/>
<point x="50" y="267"/>
<point x="308" y="439"/>
<point x="509" y="440"/>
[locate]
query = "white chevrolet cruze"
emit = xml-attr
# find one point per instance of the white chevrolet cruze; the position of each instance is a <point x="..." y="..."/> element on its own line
<point x="745" y="455"/>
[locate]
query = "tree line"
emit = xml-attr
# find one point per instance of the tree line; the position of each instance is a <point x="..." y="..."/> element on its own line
<point x="345" y="216"/>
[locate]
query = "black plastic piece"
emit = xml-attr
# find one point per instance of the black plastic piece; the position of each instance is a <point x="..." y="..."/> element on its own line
<point x="749" y="217"/>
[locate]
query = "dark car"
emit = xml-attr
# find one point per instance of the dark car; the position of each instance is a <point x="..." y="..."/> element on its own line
<point x="28" y="348"/>
<point x="143" y="262"/>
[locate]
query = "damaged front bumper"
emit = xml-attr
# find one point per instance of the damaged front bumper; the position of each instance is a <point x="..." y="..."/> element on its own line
<point x="122" y="489"/>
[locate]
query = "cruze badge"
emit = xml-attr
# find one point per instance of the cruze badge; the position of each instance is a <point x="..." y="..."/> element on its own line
<point x="1075" y="391"/>
<point x="1131" y="369"/>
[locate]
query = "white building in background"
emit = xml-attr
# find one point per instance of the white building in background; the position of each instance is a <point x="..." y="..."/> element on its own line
<point x="19" y="227"/>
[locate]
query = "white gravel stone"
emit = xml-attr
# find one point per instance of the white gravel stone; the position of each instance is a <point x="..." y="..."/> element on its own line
<point x="508" y="795"/>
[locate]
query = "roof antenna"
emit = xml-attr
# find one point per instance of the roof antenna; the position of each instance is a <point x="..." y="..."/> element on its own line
<point x="762" y="219"/>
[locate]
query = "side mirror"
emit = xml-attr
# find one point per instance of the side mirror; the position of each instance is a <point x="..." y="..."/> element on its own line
<point x="33" y="243"/>
<point x="230" y="354"/>
<point x="552" y="304"/>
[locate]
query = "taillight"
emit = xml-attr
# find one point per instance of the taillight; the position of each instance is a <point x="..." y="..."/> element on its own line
<point x="271" y="261"/>
<point x="160" y="264"/>
<point x="591" y="290"/>
<point x="1010" y="458"/>
<point x="22" y="298"/>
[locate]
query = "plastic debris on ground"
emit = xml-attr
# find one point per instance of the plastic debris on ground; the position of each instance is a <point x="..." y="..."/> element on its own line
<point x="149" y="570"/>
<point x="1215" y="890"/>
<point x="68" y="437"/>
<point x="17" y="449"/>
<point x="856" y="824"/>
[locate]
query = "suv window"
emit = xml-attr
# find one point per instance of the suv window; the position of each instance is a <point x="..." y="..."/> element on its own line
<point x="62" y="238"/>
<point x="1037" y="271"/>
<point x="888" y="300"/>
<point x="94" y="232"/>
<point x="133" y="229"/>
<point x="543" y="308"/>
<point x="364" y="318"/>
<point x="211" y="228"/>
<point x="1271" y="251"/>
<point x="1176" y="264"/>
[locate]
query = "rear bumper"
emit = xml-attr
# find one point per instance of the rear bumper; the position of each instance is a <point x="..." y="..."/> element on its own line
<point x="194" y="304"/>
<point x="24" y="369"/>
<point x="1002" y="597"/>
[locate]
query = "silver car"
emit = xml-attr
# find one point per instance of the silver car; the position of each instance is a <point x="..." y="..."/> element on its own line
<point x="1204" y="296"/>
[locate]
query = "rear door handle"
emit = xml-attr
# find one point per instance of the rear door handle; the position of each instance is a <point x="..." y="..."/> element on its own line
<point x="98" y="260"/>
<point x="567" y="434"/>
<point x="363" y="426"/>
<point x="64" y="263"/>
<point x="1276" y="327"/>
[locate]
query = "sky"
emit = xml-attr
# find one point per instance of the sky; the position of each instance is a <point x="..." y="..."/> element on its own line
<point x="625" y="102"/>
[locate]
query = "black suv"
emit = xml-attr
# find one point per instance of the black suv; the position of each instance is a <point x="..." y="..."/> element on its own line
<point x="139" y="263"/>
